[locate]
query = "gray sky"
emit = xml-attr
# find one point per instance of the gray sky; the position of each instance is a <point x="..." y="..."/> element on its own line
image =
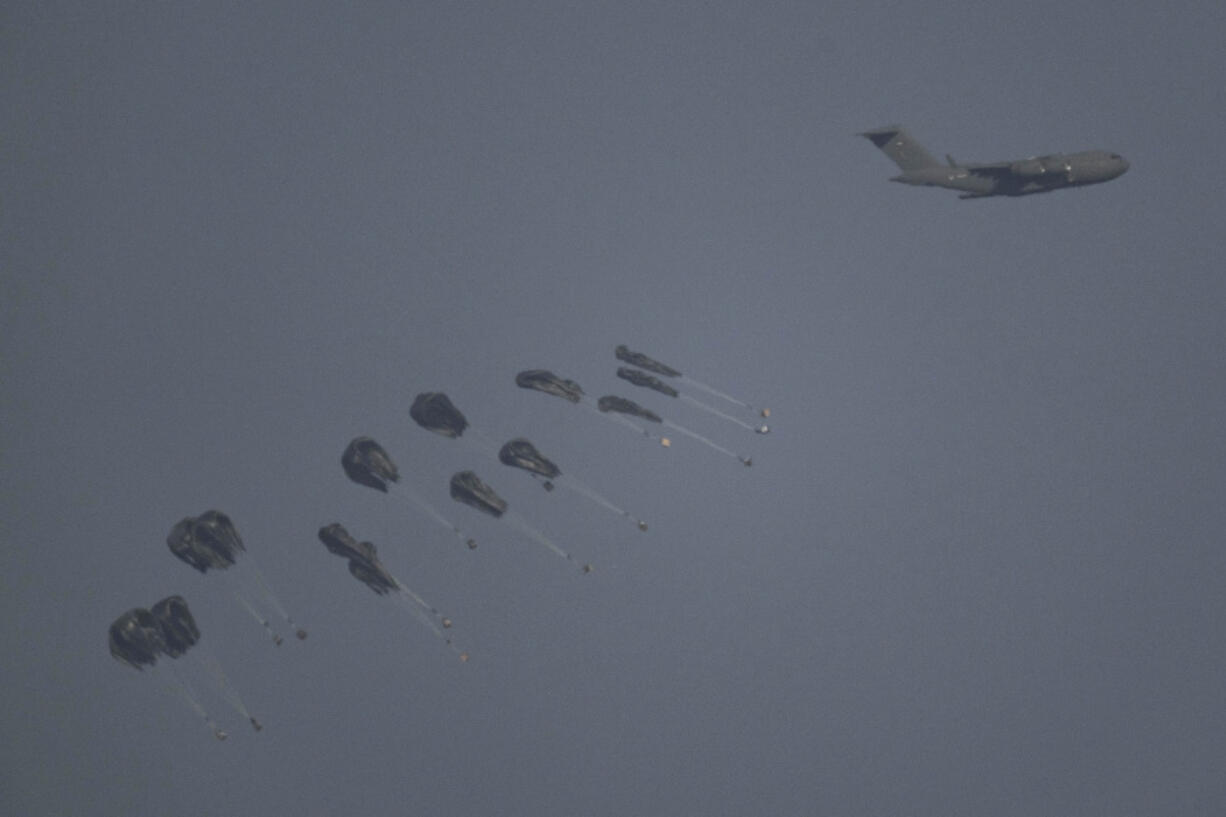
<point x="975" y="569"/>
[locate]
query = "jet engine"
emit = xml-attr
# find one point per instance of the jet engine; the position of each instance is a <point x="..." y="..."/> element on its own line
<point x="1040" y="166"/>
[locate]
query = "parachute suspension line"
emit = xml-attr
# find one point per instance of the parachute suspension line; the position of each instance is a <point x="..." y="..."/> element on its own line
<point x="184" y="692"/>
<point x="716" y="392"/>
<point x="702" y="439"/>
<point x="623" y="420"/>
<point x="417" y="607"/>
<point x="256" y="614"/>
<point x="429" y="510"/>
<point x="477" y="440"/>
<point x="578" y="487"/>
<point x="416" y="598"/>
<point x="273" y="601"/>
<point x="409" y="600"/>
<point x="228" y="691"/>
<point x="520" y="524"/>
<point x="435" y="617"/>
<point x="719" y="413"/>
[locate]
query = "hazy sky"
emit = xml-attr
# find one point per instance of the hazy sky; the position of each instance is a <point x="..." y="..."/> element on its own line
<point x="976" y="568"/>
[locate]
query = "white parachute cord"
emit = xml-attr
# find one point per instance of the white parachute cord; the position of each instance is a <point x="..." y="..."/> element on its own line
<point x="618" y="417"/>
<point x="417" y="607"/>
<point x="179" y="687"/>
<point x="716" y="392"/>
<point x="408" y="599"/>
<point x="477" y="440"/>
<point x="256" y="614"/>
<point x="761" y="429"/>
<point x="570" y="483"/>
<point x="702" y="439"/>
<point x="520" y="524"/>
<point x="271" y="598"/>
<point x="211" y="665"/>
<point x="421" y="603"/>
<point x="422" y="505"/>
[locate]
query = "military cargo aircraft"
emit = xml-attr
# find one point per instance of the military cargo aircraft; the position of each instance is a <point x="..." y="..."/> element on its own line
<point x="1038" y="174"/>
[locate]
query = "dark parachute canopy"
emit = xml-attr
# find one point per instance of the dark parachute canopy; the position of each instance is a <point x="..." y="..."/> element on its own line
<point x="211" y="541"/>
<point x="549" y="383"/>
<point x="373" y="575"/>
<point x="364" y="562"/>
<point x="366" y="463"/>
<point x="519" y="453"/>
<point x="645" y="380"/>
<point x="621" y="405"/>
<point x="466" y="487"/>
<point x="139" y="636"/>
<point x="338" y="541"/>
<point x="643" y="362"/>
<point x="208" y="540"/>
<point x="136" y="638"/>
<point x="364" y="565"/>
<point x="179" y="630"/>
<point x="433" y="411"/>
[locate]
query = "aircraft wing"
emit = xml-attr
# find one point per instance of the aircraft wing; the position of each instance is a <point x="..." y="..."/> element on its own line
<point x="994" y="170"/>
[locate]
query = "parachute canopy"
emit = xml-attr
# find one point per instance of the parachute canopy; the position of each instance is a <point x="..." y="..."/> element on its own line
<point x="338" y="540"/>
<point x="208" y="540"/>
<point x="433" y="411"/>
<point x="621" y="405"/>
<point x="136" y="638"/>
<point x="645" y="380"/>
<point x="466" y="487"/>
<point x="519" y="453"/>
<point x="549" y="383"/>
<point x="179" y="630"/>
<point x="373" y="575"/>
<point x="364" y="562"/>
<point x="643" y="362"/>
<point x="366" y="463"/>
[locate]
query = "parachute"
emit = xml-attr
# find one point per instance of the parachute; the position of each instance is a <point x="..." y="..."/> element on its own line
<point x="519" y="453"/>
<point x="179" y="630"/>
<point x="621" y="405"/>
<point x="208" y="540"/>
<point x="545" y="381"/>
<point x="468" y="488"/>
<point x="611" y="402"/>
<point x="549" y="383"/>
<point x="643" y="362"/>
<point x="136" y="638"/>
<point x="364" y="562"/>
<point x="645" y="380"/>
<point x="373" y="575"/>
<point x="211" y="541"/>
<point x="168" y="629"/>
<point x="366" y="463"/>
<point x="364" y="565"/>
<point x="338" y="541"/>
<point x="433" y="411"/>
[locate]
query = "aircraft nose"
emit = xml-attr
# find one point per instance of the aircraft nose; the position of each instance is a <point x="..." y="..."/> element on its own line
<point x="1121" y="166"/>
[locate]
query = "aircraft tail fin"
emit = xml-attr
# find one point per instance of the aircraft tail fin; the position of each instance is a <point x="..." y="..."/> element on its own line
<point x="896" y="143"/>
